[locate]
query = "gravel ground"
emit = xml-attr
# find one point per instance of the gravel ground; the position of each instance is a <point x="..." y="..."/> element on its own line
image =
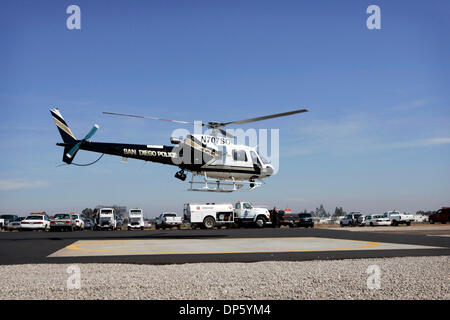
<point x="401" y="278"/>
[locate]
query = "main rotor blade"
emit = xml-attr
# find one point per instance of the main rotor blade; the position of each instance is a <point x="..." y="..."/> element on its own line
<point x="146" y="117"/>
<point x="264" y="117"/>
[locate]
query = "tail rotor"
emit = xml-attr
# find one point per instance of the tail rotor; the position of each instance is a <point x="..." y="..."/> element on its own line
<point x="70" y="154"/>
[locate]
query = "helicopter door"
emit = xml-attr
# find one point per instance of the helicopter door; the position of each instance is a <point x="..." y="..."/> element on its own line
<point x="240" y="158"/>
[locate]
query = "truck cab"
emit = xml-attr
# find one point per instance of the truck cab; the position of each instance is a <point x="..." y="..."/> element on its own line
<point x="106" y="219"/>
<point x="245" y="212"/>
<point x="135" y="219"/>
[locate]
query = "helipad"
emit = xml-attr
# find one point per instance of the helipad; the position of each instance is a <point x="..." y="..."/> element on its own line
<point x="221" y="246"/>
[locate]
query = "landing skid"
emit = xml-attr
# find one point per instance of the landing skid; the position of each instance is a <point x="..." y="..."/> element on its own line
<point x="222" y="185"/>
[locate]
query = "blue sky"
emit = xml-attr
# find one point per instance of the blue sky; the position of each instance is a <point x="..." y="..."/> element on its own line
<point x="377" y="136"/>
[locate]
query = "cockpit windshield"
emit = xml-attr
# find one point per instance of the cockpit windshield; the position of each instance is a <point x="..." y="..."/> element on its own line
<point x="257" y="158"/>
<point x="264" y="160"/>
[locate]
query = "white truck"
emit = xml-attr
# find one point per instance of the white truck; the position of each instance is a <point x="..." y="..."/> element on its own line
<point x="209" y="215"/>
<point x="106" y="219"/>
<point x="168" y="220"/>
<point x="135" y="219"/>
<point x="397" y="218"/>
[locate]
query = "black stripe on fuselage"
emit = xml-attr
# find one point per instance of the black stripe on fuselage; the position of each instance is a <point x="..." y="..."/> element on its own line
<point x="163" y="154"/>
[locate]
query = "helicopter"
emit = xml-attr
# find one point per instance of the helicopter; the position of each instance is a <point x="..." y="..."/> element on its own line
<point x="222" y="165"/>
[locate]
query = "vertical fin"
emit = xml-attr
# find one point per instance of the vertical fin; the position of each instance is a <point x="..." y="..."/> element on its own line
<point x="64" y="130"/>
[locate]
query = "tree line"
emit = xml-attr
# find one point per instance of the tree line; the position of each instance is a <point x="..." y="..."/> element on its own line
<point x="339" y="212"/>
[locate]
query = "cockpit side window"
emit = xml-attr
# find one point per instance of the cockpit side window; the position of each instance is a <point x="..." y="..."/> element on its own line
<point x="239" y="155"/>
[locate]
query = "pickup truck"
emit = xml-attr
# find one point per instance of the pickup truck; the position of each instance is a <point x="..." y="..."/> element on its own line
<point x="287" y="218"/>
<point x="442" y="216"/>
<point x="168" y="220"/>
<point x="397" y="218"/>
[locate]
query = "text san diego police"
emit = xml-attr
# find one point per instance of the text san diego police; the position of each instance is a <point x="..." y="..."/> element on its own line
<point x="149" y="153"/>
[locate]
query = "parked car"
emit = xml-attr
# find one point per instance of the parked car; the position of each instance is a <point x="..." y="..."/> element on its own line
<point x="79" y="223"/>
<point x="88" y="224"/>
<point x="35" y="222"/>
<point x="442" y="216"/>
<point x="350" y="219"/>
<point x="7" y="218"/>
<point x="305" y="220"/>
<point x="15" y="225"/>
<point x="380" y="220"/>
<point x="375" y="220"/>
<point x="147" y="223"/>
<point x="61" y="222"/>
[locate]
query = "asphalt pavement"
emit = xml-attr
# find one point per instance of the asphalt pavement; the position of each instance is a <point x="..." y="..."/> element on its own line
<point x="43" y="247"/>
